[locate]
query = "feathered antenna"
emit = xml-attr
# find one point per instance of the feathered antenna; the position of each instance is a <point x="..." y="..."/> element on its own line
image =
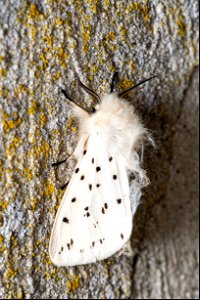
<point x="70" y="99"/>
<point x="89" y="91"/>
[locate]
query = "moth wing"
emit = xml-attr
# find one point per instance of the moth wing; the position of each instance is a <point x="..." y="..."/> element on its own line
<point x="94" y="219"/>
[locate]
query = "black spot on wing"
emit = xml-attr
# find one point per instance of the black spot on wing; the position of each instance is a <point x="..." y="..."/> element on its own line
<point x="77" y="170"/>
<point x="119" y="201"/>
<point x="87" y="215"/>
<point x="122" y="236"/>
<point x="115" y="177"/>
<point x="106" y="205"/>
<point x="98" y="169"/>
<point x="98" y="185"/>
<point x="73" y="200"/>
<point x="84" y="152"/>
<point x="65" y="220"/>
<point x="90" y="187"/>
<point x="82" y="177"/>
<point x="103" y="210"/>
<point x="110" y="159"/>
<point x="92" y="160"/>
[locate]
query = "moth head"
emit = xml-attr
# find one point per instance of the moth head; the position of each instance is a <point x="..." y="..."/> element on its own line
<point x="82" y="112"/>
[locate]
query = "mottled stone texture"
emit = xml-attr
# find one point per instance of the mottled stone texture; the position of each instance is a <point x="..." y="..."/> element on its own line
<point x="48" y="43"/>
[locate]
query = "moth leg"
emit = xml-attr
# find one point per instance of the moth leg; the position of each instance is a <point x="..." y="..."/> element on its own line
<point x="113" y="82"/>
<point x="64" y="186"/>
<point x="59" y="163"/>
<point x="62" y="161"/>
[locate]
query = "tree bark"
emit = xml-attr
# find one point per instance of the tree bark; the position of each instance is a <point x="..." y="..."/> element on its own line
<point x="48" y="44"/>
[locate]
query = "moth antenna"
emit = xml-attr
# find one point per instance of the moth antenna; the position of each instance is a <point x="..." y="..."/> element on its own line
<point x="89" y="91"/>
<point x="114" y="79"/>
<point x="62" y="161"/>
<point x="135" y="86"/>
<point x="70" y="99"/>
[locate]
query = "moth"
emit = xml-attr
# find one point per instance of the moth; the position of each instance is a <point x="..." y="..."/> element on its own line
<point x="94" y="219"/>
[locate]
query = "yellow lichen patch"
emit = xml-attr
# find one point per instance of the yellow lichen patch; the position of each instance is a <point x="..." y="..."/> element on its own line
<point x="57" y="75"/>
<point x="31" y="138"/>
<point x="86" y="31"/>
<point x="1" y="166"/>
<point x="34" y="203"/>
<point x="48" y="189"/>
<point x="11" y="149"/>
<point x="59" y="22"/>
<point x="40" y="150"/>
<point x="133" y="66"/>
<point x="33" y="32"/>
<point x="28" y="173"/>
<point x="73" y="283"/>
<point x="2" y="249"/>
<point x="111" y="36"/>
<point x="21" y="88"/>
<point x="110" y="40"/>
<point x="37" y="132"/>
<point x="143" y="9"/>
<point x="126" y="83"/>
<point x="4" y="92"/>
<point x="20" y="295"/>
<point x="14" y="241"/>
<point x="34" y="13"/>
<point x="33" y="108"/>
<point x="92" y="5"/>
<point x="48" y="39"/>
<point x="106" y="2"/>
<point x="94" y="69"/>
<point x="70" y="123"/>
<point x="51" y="2"/>
<point x="123" y="32"/>
<point x="10" y="272"/>
<point x="44" y="61"/>
<point x="43" y="119"/>
<point x="1" y="58"/>
<point x="58" y="203"/>
<point x="38" y="242"/>
<point x="3" y="72"/>
<point x="8" y="124"/>
<point x="4" y="204"/>
<point x="181" y="26"/>
<point x="55" y="133"/>
<point x="62" y="56"/>
<point x="37" y="74"/>
<point x="1" y="240"/>
<point x="74" y="129"/>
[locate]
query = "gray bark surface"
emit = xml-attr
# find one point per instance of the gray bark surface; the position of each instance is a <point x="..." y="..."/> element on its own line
<point x="46" y="44"/>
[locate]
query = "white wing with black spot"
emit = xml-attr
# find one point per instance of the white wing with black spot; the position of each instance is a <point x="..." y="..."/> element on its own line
<point x="94" y="219"/>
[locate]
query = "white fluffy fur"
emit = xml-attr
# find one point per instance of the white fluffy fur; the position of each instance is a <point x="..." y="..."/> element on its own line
<point x="121" y="128"/>
<point x="113" y="131"/>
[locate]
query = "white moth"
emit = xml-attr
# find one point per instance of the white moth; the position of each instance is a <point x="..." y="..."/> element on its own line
<point x="94" y="219"/>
